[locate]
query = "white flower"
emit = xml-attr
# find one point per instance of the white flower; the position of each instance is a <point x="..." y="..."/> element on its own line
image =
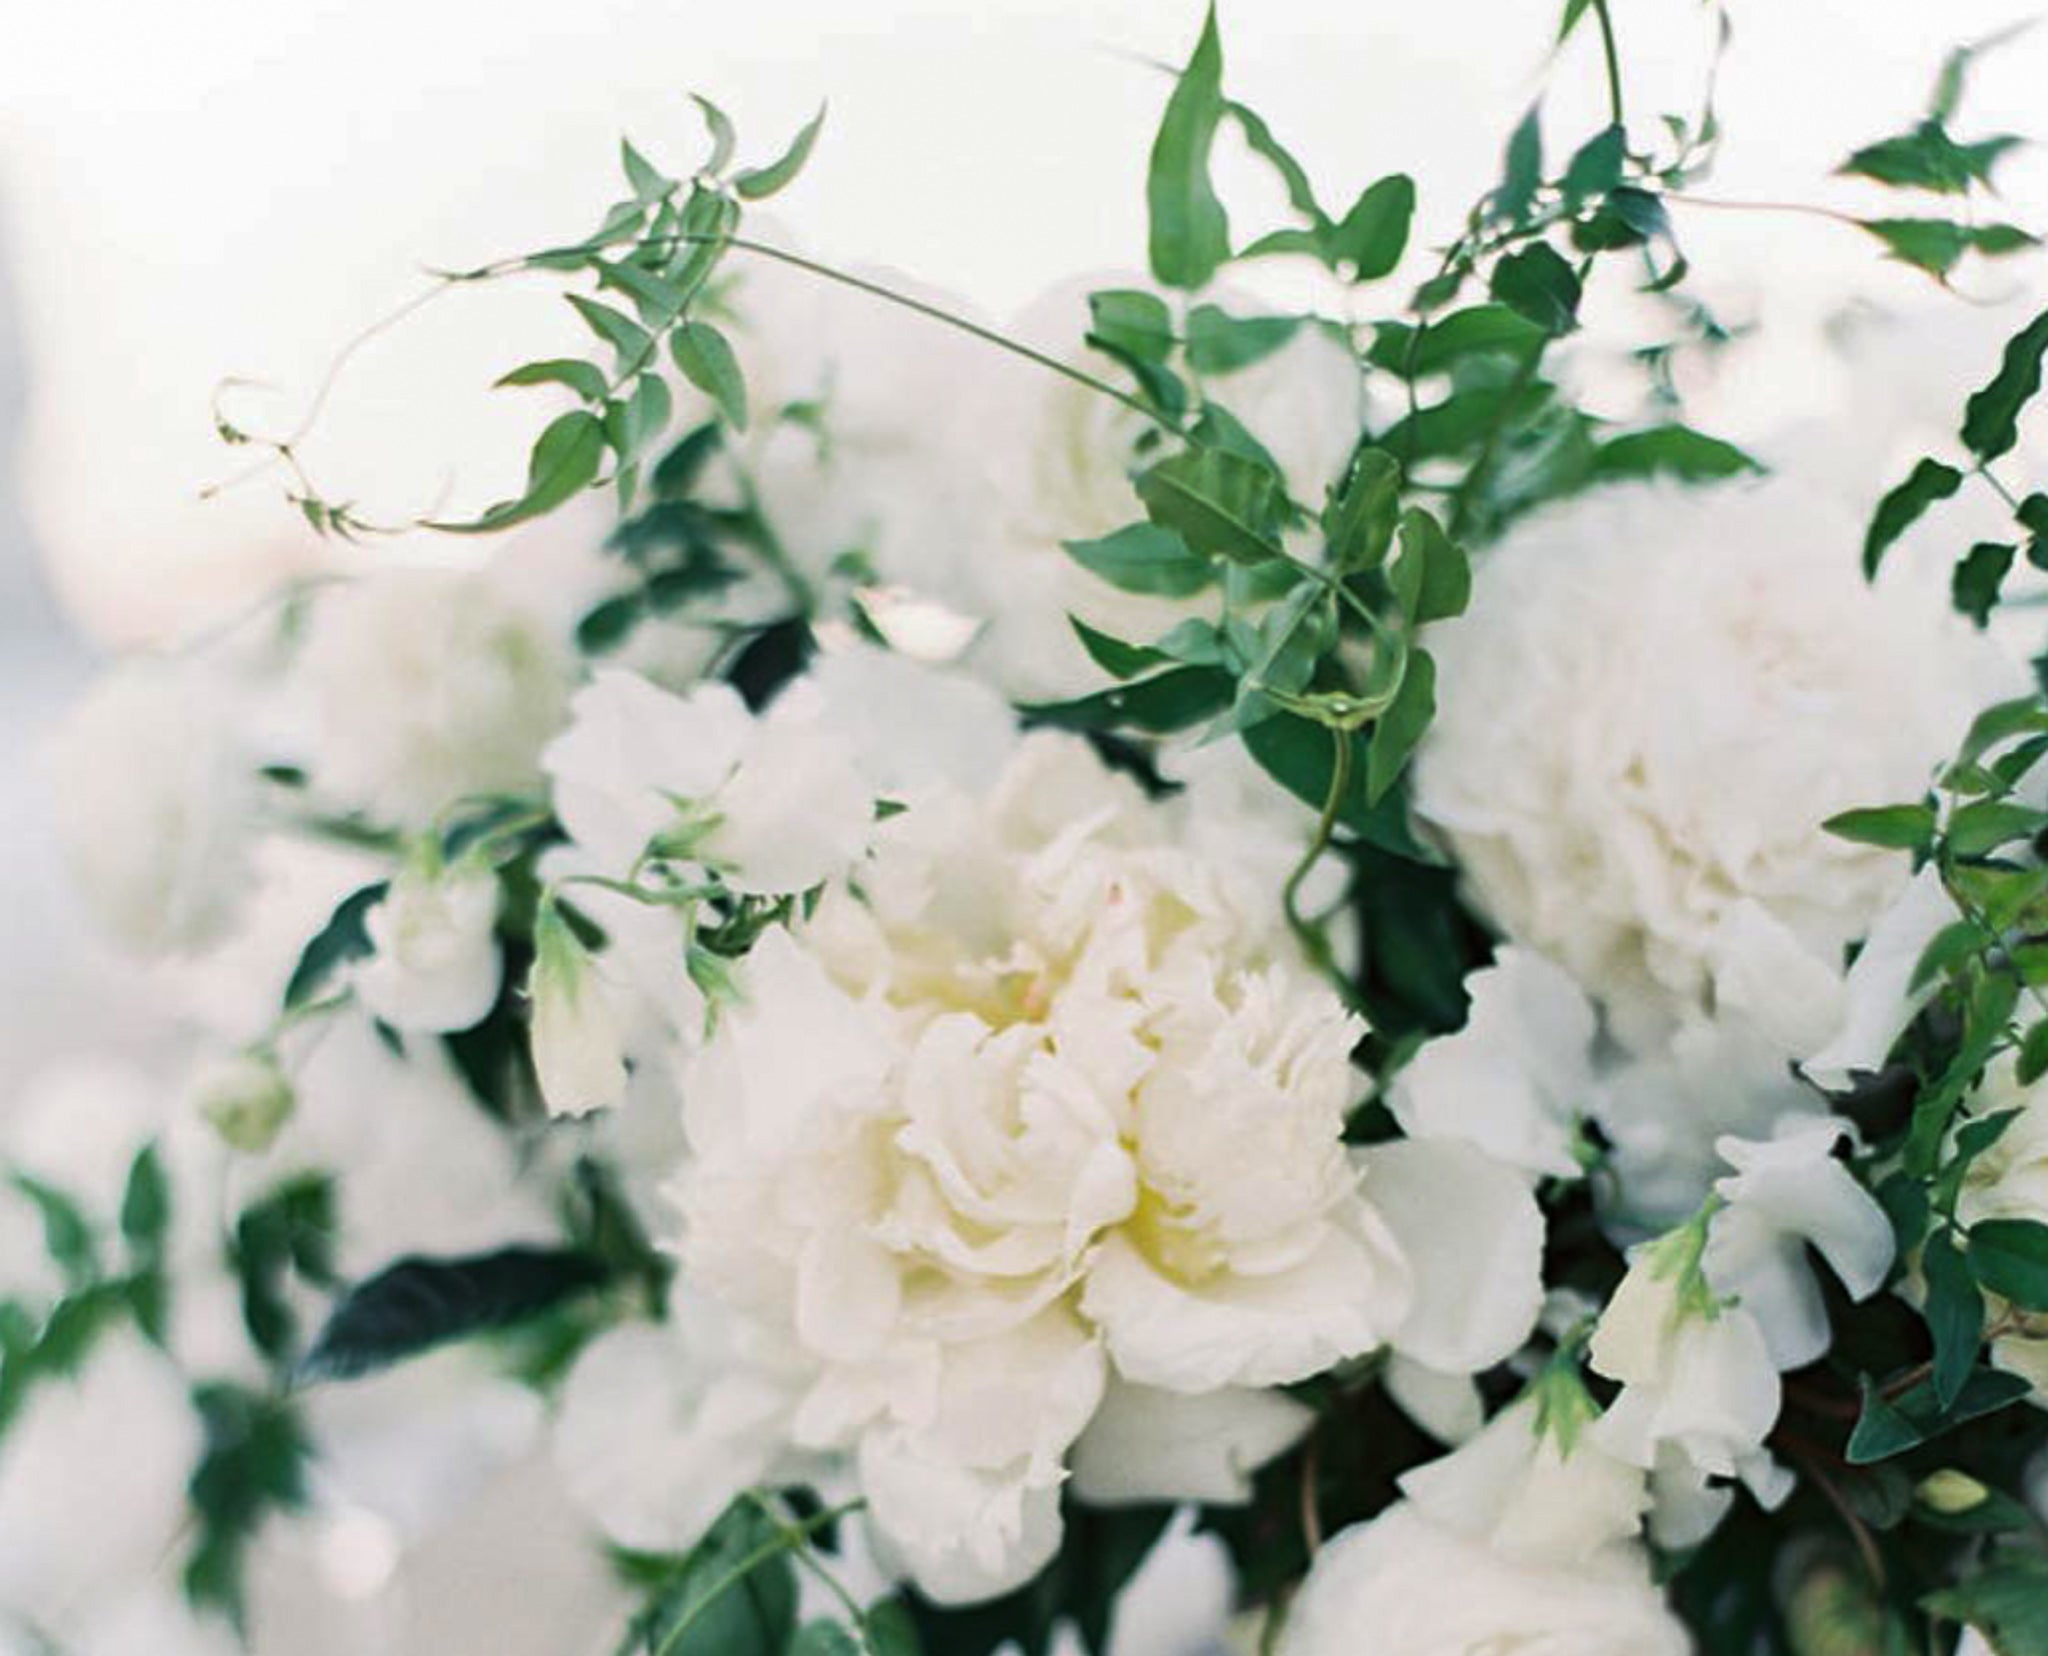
<point x="154" y="800"/>
<point x="435" y="964"/>
<point x="774" y="802"/>
<point x="574" y="1034"/>
<point x="1517" y="1078"/>
<point x="425" y="687"/>
<point x="1787" y="1194"/>
<point x="1881" y="999"/>
<point x="1047" y="1102"/>
<point x="1531" y="1494"/>
<point x="1404" y="1585"/>
<point x="1150" y="1445"/>
<point x="1651" y="706"/>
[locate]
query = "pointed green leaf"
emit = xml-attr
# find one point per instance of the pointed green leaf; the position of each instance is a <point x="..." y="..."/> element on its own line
<point x="1219" y="343"/>
<point x="1374" y="234"/>
<point x="1895" y="827"/>
<point x="648" y="182"/>
<point x="723" y="138"/>
<point x="2010" y="1257"/>
<point x="759" y="183"/>
<point x="586" y="379"/>
<point x="1218" y="503"/>
<point x="1991" y="417"/>
<point x="1398" y="729"/>
<point x="1144" y="558"/>
<point x="1538" y="284"/>
<point x="1954" y="1313"/>
<point x="1928" y="482"/>
<point x="1189" y="234"/>
<point x="633" y="343"/>
<point x="708" y="363"/>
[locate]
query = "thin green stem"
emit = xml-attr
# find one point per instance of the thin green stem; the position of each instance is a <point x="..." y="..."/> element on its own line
<point x="1802" y="208"/>
<point x="1313" y="942"/>
<point x="1606" y="22"/>
<point x="786" y="1526"/>
<point x="787" y="1537"/>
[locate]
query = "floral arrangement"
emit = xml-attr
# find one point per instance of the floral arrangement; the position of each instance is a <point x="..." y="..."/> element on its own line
<point x="1315" y="950"/>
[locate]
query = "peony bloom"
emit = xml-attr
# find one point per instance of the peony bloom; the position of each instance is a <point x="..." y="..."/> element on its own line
<point x="1407" y="1585"/>
<point x="1649" y="709"/>
<point x="427" y="687"/>
<point x="154" y="801"/>
<point x="1033" y="1120"/>
<point x="435" y="965"/>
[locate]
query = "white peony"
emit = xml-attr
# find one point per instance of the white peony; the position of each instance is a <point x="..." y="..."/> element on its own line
<point x="154" y="800"/>
<point x="1405" y="1585"/>
<point x="434" y="964"/>
<point x="1651" y="706"/>
<point x="425" y="687"/>
<point x="1062" y="1108"/>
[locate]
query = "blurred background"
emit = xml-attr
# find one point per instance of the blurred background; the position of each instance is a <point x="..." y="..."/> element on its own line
<point x="226" y="188"/>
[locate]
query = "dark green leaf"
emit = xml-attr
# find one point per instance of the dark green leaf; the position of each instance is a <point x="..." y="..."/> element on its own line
<point x="145" y="1205"/>
<point x="656" y="300"/>
<point x="1955" y="1316"/>
<point x="1928" y="482"/>
<point x="1174" y="700"/>
<point x="1144" y="558"/>
<point x="418" y="1303"/>
<point x="1538" y="284"/>
<point x="1358" y="521"/>
<point x="1891" y="1426"/>
<point x="1978" y="578"/>
<point x="1115" y="656"/>
<point x="344" y="938"/>
<point x="2032" y="1062"/>
<point x="67" y="1234"/>
<point x="1937" y="246"/>
<point x="1432" y="574"/>
<point x="586" y="379"/>
<point x="1991" y="417"/>
<point x="733" y="1595"/>
<point x="1596" y="168"/>
<point x="758" y="183"/>
<point x="1476" y="330"/>
<point x="1374" y="234"/>
<point x="1927" y="158"/>
<point x="2006" y="1601"/>
<point x="254" y="1465"/>
<point x="1300" y="755"/>
<point x="2010" y="1257"/>
<point x="1189" y="235"/>
<point x="708" y="363"/>
<point x="1397" y="730"/>
<point x="288" y="1231"/>
<point x="1521" y="171"/>
<point x="1219" y="343"/>
<point x="1958" y="941"/>
<point x="1218" y="503"/>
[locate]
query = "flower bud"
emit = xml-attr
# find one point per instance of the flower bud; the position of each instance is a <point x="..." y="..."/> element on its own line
<point x="1951" y="1493"/>
<point x="577" y="1053"/>
<point x="246" y="1098"/>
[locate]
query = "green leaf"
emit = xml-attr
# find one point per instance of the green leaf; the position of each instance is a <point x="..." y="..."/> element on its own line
<point x="1928" y="482"/>
<point x="1189" y="235"/>
<point x="1895" y="827"/>
<point x="1397" y="730"/>
<point x="1596" y="168"/>
<point x="1538" y="284"/>
<point x="1521" y="170"/>
<point x="564" y="462"/>
<point x="1442" y="584"/>
<point x="344" y="938"/>
<point x="723" y="137"/>
<point x="1927" y="158"/>
<point x="1954" y="1313"/>
<point x="649" y="184"/>
<point x="1219" y="343"/>
<point x="607" y="625"/>
<point x="1474" y="331"/>
<point x="1958" y="941"/>
<point x="1374" y="234"/>
<point x="1301" y="195"/>
<point x="145" y="1205"/>
<point x="1133" y="325"/>
<point x="290" y="1230"/>
<point x="2006" y="1601"/>
<point x="1985" y="824"/>
<point x="733" y="1595"/>
<point x="1117" y="657"/>
<point x="1300" y="755"/>
<point x="1991" y="417"/>
<point x="2032" y="1063"/>
<point x="824" y="1638"/>
<point x="759" y="183"/>
<point x="1937" y="246"/>
<point x="1573" y="11"/>
<point x="418" y="1304"/>
<point x="1144" y="558"/>
<point x="1891" y="1426"/>
<point x="2010" y="1257"/>
<point x="708" y="363"/>
<point x="2001" y="722"/>
<point x="1675" y="451"/>
<point x="586" y="379"/>
<point x="1978" y="578"/>
<point x="67" y="1234"/>
<point x="632" y="342"/>
<point x="1218" y="503"/>
<point x="1174" y="700"/>
<point x="253" y="1465"/>
<point x="1358" y="520"/>
<point x="656" y="300"/>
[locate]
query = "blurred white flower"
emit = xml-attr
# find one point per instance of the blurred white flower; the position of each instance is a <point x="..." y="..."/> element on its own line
<point x="245" y="1097"/>
<point x="1652" y="704"/>
<point x="155" y="801"/>
<point x="425" y="687"/>
<point x="574" y="1030"/>
<point x="1881" y="998"/>
<point x="434" y="964"/>
<point x="1405" y="1585"/>
<point x="1144" y="1444"/>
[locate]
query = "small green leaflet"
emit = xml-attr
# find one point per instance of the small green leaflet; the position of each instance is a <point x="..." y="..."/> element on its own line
<point x="1895" y="827"/>
<point x="1219" y="343"/>
<point x="1358" y="521"/>
<point x="632" y="342"/>
<point x="1398" y="729"/>
<point x="1675" y="451"/>
<point x="1928" y="482"/>
<point x="648" y="182"/>
<point x="1538" y="284"/>
<point x="1991" y="416"/>
<point x="1927" y="158"/>
<point x="1189" y="237"/>
<point x="1891" y="1425"/>
<point x="759" y="183"/>
<point x="707" y="362"/>
<point x="1521" y="170"/>
<point x="1937" y="246"/>
<point x="1373" y="235"/>
<point x="586" y="379"/>
<point x="1218" y="503"/>
<point x="1596" y="168"/>
<point x="1144" y="558"/>
<point x="2010" y="1257"/>
<point x="1954" y="1314"/>
<point x="723" y="137"/>
<point x="1135" y="325"/>
<point x="2006" y="1601"/>
<point x="564" y="461"/>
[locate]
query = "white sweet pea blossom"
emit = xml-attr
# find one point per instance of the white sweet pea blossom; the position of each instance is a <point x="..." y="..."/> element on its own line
<point x="434" y="964"/>
<point x="1786" y="1194"/>
<point x="1044" y="1110"/>
<point x="1406" y="1585"/>
<point x="774" y="803"/>
<point x="426" y="686"/>
<point x="1518" y="1077"/>
<point x="1648" y="709"/>
<point x="154" y="802"/>
<point x="574" y="1035"/>
<point x="1880" y="996"/>
<point x="1696" y="1374"/>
